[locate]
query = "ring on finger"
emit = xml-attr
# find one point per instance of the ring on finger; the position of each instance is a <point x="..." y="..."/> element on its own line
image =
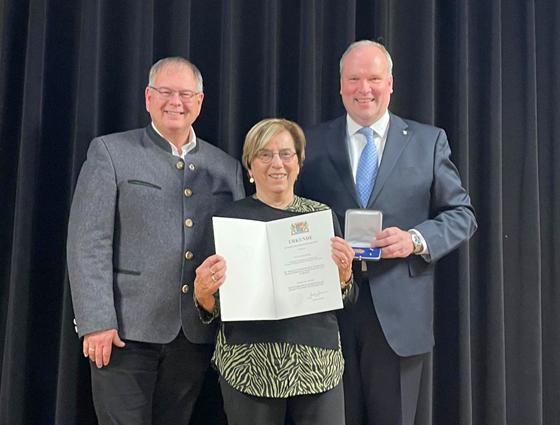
<point x="213" y="278"/>
<point x="91" y="349"/>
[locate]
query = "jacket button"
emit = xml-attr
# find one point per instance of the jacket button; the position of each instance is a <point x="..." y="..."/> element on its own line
<point x="180" y="165"/>
<point x="187" y="192"/>
<point x="189" y="222"/>
<point x="185" y="289"/>
<point x="189" y="255"/>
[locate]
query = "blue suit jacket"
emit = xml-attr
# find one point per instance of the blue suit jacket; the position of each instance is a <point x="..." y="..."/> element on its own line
<point x="417" y="187"/>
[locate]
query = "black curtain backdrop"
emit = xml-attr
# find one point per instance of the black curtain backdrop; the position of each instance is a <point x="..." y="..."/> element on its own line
<point x="485" y="70"/>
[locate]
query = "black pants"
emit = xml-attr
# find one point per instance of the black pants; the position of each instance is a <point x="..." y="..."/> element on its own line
<point x="315" y="409"/>
<point x="150" y="384"/>
<point x="381" y="388"/>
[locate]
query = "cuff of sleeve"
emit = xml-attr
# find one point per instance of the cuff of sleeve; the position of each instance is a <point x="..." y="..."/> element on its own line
<point x="347" y="286"/>
<point x="205" y="316"/>
<point x="425" y="250"/>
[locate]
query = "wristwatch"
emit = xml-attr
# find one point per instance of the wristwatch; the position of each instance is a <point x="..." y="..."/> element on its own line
<point x="417" y="245"/>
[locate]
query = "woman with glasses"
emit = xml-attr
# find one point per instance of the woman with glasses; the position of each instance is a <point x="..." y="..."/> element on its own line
<point x="290" y="368"/>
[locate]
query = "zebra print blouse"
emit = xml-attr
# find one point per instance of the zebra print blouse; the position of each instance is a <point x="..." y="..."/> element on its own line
<point x="277" y="369"/>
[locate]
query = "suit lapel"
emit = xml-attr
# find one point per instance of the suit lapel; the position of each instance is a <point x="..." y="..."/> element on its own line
<point x="397" y="139"/>
<point x="338" y="154"/>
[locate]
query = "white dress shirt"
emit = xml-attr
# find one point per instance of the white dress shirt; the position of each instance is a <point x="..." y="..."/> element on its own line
<point x="187" y="147"/>
<point x="355" y="142"/>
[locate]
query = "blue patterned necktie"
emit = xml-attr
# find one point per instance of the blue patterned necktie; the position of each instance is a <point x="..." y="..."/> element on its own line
<point x="367" y="167"/>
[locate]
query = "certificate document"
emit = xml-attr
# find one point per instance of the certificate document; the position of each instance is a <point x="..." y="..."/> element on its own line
<point x="277" y="269"/>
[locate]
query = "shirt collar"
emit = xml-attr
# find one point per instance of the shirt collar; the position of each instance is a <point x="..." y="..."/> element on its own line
<point x="187" y="147"/>
<point x="379" y="127"/>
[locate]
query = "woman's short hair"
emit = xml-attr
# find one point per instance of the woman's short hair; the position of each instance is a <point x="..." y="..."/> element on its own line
<point x="261" y="133"/>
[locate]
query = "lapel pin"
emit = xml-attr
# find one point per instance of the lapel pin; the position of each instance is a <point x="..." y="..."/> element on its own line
<point x="405" y="132"/>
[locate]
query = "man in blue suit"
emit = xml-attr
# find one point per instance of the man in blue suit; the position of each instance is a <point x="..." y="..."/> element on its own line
<point x="371" y="158"/>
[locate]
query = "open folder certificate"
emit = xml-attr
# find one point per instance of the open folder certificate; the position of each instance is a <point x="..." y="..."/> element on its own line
<point x="277" y="269"/>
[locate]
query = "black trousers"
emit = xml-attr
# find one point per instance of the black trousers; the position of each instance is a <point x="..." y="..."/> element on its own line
<point x="150" y="384"/>
<point x="315" y="409"/>
<point x="380" y="387"/>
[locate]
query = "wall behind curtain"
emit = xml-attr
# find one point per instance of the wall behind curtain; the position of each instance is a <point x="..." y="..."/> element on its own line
<point x="486" y="71"/>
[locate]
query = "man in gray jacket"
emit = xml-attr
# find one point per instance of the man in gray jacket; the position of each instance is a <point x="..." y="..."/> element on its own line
<point x="135" y="237"/>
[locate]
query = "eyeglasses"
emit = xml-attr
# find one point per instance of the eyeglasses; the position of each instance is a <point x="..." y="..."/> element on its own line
<point x="266" y="155"/>
<point x="168" y="93"/>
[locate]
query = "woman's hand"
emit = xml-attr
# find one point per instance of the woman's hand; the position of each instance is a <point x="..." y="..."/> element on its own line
<point x="342" y="254"/>
<point x="209" y="277"/>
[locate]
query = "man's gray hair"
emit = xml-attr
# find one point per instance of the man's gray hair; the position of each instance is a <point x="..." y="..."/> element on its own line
<point x="176" y="60"/>
<point x="367" y="43"/>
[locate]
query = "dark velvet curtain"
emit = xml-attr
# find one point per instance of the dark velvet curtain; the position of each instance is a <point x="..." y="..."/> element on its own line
<point x="485" y="70"/>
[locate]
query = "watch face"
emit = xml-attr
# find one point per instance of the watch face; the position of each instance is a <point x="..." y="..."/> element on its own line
<point x="416" y="242"/>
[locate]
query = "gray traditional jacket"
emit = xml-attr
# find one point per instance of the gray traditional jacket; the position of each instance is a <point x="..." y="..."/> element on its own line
<point x="136" y="234"/>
